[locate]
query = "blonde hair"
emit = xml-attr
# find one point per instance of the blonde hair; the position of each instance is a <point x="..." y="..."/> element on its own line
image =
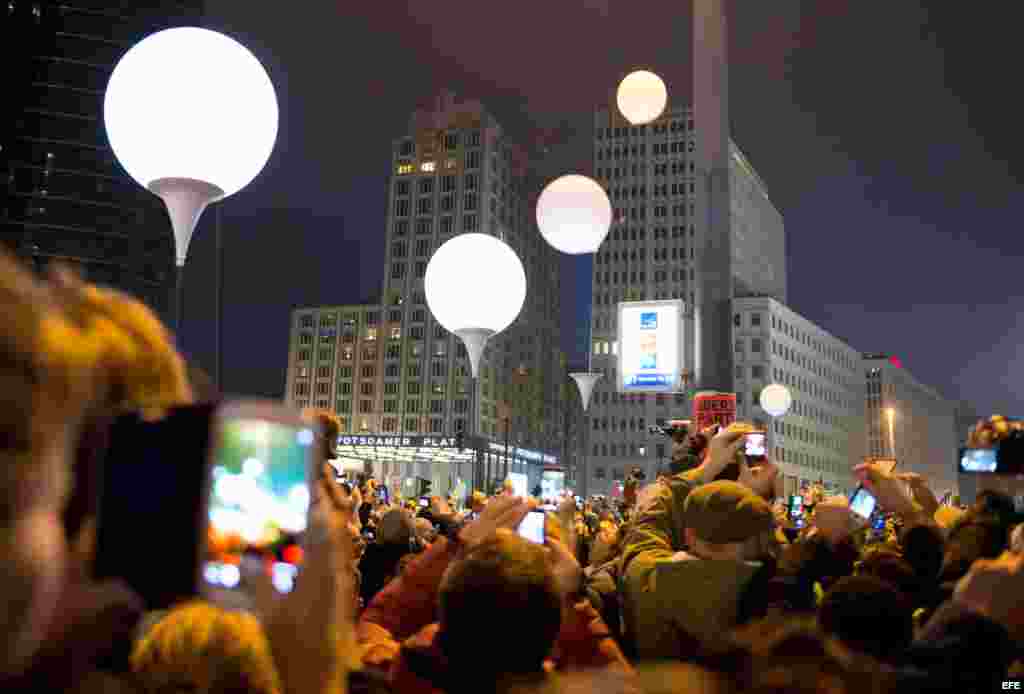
<point x="204" y="649"/>
<point x="144" y="370"/>
<point x="47" y="378"/>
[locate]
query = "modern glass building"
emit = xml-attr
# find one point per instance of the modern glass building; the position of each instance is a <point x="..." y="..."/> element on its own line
<point x="64" y="196"/>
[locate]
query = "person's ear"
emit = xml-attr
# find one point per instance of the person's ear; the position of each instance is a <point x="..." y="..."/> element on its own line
<point x="691" y="537"/>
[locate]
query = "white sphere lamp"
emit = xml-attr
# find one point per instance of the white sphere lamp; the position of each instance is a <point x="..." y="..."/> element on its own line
<point x="574" y="214"/>
<point x="475" y="286"/>
<point x="585" y="381"/>
<point x="642" y="97"/>
<point x="192" y="116"/>
<point x="776" y="399"/>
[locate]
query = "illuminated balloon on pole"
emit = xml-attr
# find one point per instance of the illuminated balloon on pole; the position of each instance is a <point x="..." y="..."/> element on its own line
<point x="776" y="399"/>
<point x="642" y="97"/>
<point x="475" y="286"/>
<point x="574" y="214"/>
<point x="192" y="116"/>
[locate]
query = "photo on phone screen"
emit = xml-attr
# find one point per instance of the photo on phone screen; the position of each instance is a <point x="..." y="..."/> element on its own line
<point x="532" y="527"/>
<point x="755" y="446"/>
<point x="978" y="460"/>
<point x="258" y="501"/>
<point x="863" y="503"/>
<point x="796" y="506"/>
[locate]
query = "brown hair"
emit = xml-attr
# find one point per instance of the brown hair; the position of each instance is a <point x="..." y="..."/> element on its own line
<point x="508" y="578"/>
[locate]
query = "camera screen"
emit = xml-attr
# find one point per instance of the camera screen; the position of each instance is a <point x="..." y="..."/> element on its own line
<point x="978" y="460"/>
<point x="863" y="503"/>
<point x="532" y="527"/>
<point x="259" y="498"/>
<point x="755" y="445"/>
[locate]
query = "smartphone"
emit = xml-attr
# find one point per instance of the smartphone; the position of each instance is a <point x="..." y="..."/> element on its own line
<point x="424" y="503"/>
<point x="385" y="495"/>
<point x="150" y="504"/>
<point x="796" y="506"/>
<point x="978" y="460"/>
<point x="257" y="500"/>
<point x="532" y="527"/>
<point x="863" y="502"/>
<point x="755" y="447"/>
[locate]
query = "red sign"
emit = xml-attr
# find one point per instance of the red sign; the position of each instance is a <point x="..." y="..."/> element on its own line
<point x="713" y="408"/>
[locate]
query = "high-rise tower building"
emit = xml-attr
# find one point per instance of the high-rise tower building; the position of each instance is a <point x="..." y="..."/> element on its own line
<point x="456" y="171"/>
<point x="64" y="195"/>
<point x="657" y="250"/>
<point x="389" y="370"/>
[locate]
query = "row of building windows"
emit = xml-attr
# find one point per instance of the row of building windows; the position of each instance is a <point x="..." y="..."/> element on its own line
<point x="672" y="126"/>
<point x="446" y="225"/>
<point x="450" y="141"/>
<point x="664" y="169"/>
<point x="448" y="184"/>
<point x="637" y="151"/>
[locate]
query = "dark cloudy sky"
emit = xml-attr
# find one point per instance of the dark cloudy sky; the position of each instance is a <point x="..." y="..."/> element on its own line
<point x="887" y="133"/>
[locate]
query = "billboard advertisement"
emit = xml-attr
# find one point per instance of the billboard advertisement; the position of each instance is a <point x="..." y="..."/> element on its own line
<point x="650" y="346"/>
<point x="710" y="407"/>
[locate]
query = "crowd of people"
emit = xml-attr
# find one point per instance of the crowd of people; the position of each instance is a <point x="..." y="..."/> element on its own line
<point x="699" y="581"/>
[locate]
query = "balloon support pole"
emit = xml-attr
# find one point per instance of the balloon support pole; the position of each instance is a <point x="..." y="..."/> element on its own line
<point x="185" y="198"/>
<point x="474" y="339"/>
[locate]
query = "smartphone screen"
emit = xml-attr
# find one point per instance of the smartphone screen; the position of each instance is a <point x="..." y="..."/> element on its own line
<point x="532" y="527"/>
<point x="424" y="503"/>
<point x="796" y="506"/>
<point x="978" y="460"/>
<point x="755" y="446"/>
<point x="862" y="503"/>
<point x="258" y="503"/>
<point x="150" y="516"/>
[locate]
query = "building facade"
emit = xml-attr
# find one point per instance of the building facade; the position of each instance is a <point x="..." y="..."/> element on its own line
<point x="654" y="251"/>
<point x="821" y="438"/>
<point x="390" y="369"/>
<point x="65" y="197"/>
<point x="911" y="422"/>
<point x="456" y="171"/>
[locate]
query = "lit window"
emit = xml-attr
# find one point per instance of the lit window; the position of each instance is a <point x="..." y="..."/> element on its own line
<point x="405" y="168"/>
<point x="427" y="166"/>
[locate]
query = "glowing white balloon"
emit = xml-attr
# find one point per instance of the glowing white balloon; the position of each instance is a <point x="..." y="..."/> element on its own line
<point x="192" y="116"/>
<point x="475" y="286"/>
<point x="574" y="214"/>
<point x="776" y="399"/>
<point x="642" y="97"/>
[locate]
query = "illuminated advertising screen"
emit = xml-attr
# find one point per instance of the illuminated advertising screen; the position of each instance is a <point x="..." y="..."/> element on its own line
<point x="552" y="483"/>
<point x="650" y="346"/>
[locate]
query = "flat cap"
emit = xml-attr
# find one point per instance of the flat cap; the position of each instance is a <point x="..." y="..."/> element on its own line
<point x="725" y="512"/>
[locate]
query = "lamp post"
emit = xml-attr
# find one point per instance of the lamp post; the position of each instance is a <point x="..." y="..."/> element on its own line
<point x="574" y="215"/>
<point x="775" y="400"/>
<point x="890" y="413"/>
<point x="475" y="287"/>
<point x="192" y="117"/>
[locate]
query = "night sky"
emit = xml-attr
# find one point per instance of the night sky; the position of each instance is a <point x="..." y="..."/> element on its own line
<point x="888" y="134"/>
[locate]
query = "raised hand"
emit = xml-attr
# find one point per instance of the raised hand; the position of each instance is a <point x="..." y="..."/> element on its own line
<point x="500" y="512"/>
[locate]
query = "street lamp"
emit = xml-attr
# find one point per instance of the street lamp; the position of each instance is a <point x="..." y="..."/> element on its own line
<point x="775" y="400"/>
<point x="192" y="116"/>
<point x="890" y="412"/>
<point x="642" y="97"/>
